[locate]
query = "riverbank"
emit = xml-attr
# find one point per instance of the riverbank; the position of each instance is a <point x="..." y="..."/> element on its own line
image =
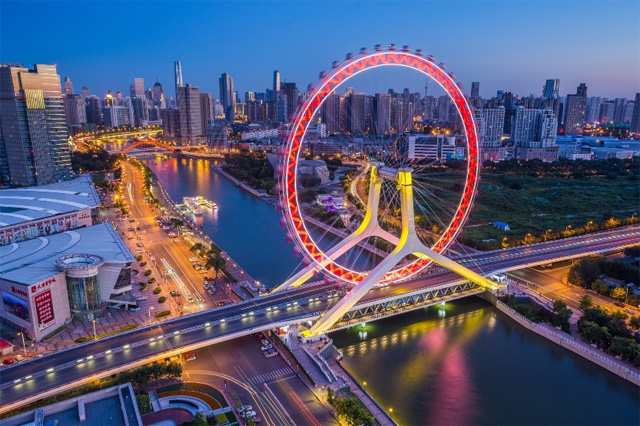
<point x="261" y="195"/>
<point x="568" y="342"/>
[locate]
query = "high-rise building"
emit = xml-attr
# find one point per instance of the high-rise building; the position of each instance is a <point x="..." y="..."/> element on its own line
<point x="291" y="92"/>
<point x="227" y="96"/>
<point x="281" y="107"/>
<point x="534" y="134"/>
<point x="206" y="110"/>
<point x="618" y="109"/>
<point x="75" y="110"/>
<point x="628" y="112"/>
<point x="33" y="129"/>
<point x="475" y="89"/>
<point x="249" y="96"/>
<point x="607" y="109"/>
<point x="444" y="102"/>
<point x="576" y="108"/>
<point x="429" y="108"/>
<point x="68" y="86"/>
<point x="118" y="115"/>
<point x="217" y="136"/>
<point x="189" y="112"/>
<point x="85" y="92"/>
<point x="94" y="110"/>
<point x="138" y="87"/>
<point x="635" y="119"/>
<point x="382" y="114"/>
<point x="490" y="124"/>
<point x="177" y="74"/>
<point x="276" y="81"/>
<point x="157" y="92"/>
<point x="355" y="113"/>
<point x="331" y="113"/>
<point x="140" y="105"/>
<point x="551" y="89"/>
<point x="593" y="109"/>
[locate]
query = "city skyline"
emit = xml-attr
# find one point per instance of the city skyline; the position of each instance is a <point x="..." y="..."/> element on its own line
<point x="484" y="55"/>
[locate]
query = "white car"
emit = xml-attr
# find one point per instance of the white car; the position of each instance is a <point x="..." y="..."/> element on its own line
<point x="245" y="407"/>
<point x="247" y="414"/>
<point x="193" y="259"/>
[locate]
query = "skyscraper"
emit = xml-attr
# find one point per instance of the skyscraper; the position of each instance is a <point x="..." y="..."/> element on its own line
<point x="68" y="86"/>
<point x="94" y="111"/>
<point x="85" y="92"/>
<point x="593" y="109"/>
<point x="618" y="109"/>
<point x="551" y="89"/>
<point x="331" y="113"/>
<point x="355" y="113"/>
<point x="189" y="111"/>
<point x="490" y="123"/>
<point x="157" y="92"/>
<point x="576" y="108"/>
<point x="138" y="87"/>
<point x="75" y="110"/>
<point x="290" y="90"/>
<point x="206" y="110"/>
<point x="635" y="119"/>
<point x="33" y="128"/>
<point x="227" y="96"/>
<point x="177" y="72"/>
<point x="140" y="105"/>
<point x="475" y="89"/>
<point x="382" y="114"/>
<point x="276" y="81"/>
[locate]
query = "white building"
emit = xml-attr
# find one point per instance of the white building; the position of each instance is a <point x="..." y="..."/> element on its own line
<point x="432" y="147"/>
<point x="490" y="124"/>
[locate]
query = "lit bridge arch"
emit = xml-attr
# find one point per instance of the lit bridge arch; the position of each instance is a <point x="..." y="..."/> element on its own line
<point x="148" y="142"/>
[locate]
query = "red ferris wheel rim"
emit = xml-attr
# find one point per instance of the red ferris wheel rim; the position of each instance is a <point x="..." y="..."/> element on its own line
<point x="302" y="118"/>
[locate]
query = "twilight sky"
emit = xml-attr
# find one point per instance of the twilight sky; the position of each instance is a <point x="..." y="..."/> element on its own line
<point x="511" y="45"/>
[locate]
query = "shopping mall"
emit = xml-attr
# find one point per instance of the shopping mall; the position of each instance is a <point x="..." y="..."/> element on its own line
<point x="55" y="263"/>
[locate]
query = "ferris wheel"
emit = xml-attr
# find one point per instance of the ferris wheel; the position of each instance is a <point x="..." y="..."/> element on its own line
<point x="400" y="190"/>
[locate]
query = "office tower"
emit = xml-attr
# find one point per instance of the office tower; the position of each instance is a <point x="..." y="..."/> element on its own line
<point x="382" y="114"/>
<point x="429" y="108"/>
<point x="68" y="86"/>
<point x="33" y="129"/>
<point x="157" y="92"/>
<point x="443" y="109"/>
<point x="140" y="105"/>
<point x="170" y="124"/>
<point x="628" y="112"/>
<point x="177" y="73"/>
<point x="276" y="81"/>
<point x="138" y="87"/>
<point x="217" y="136"/>
<point x="290" y="90"/>
<point x="75" y="110"/>
<point x="607" y="109"/>
<point x="475" y="89"/>
<point x="249" y="96"/>
<point x="330" y="114"/>
<point x="534" y="134"/>
<point x="227" y="96"/>
<point x="206" y="110"/>
<point x="490" y="125"/>
<point x="119" y="96"/>
<point x="509" y="111"/>
<point x="593" y="109"/>
<point x="189" y="112"/>
<point x="94" y="110"/>
<point x="551" y="89"/>
<point x="575" y="111"/>
<point x="85" y="92"/>
<point x="618" y="109"/>
<point x="281" y="107"/>
<point x="635" y="119"/>
<point x="118" y="115"/>
<point x="355" y="113"/>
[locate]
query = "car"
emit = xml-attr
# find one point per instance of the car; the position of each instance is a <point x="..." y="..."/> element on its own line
<point x="130" y="229"/>
<point x="130" y="238"/>
<point x="137" y="228"/>
<point x="140" y="244"/>
<point x="19" y="357"/>
<point x="265" y="349"/>
<point x="629" y="311"/>
<point x="206" y="286"/>
<point x="191" y="300"/>
<point x="193" y="259"/>
<point x="245" y="407"/>
<point x="620" y="304"/>
<point x="175" y="240"/>
<point x="220" y="303"/>
<point x="190" y="356"/>
<point x="8" y="361"/>
<point x="211" y="291"/>
<point x="141" y="298"/>
<point x="131" y="220"/>
<point x="247" y="414"/>
<point x="260" y="336"/>
<point x="202" y="271"/>
<point x="265" y="342"/>
<point x="270" y="354"/>
<point x="139" y="251"/>
<point x="256" y="419"/>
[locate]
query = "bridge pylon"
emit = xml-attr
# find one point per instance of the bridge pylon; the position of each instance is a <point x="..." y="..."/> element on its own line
<point x="407" y="244"/>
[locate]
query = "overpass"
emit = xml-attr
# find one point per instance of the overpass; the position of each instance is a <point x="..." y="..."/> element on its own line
<point x="26" y="382"/>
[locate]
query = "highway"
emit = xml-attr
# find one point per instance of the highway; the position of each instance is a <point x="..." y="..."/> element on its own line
<point x="22" y="381"/>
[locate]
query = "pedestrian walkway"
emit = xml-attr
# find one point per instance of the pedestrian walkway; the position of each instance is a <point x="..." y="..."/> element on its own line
<point x="271" y="375"/>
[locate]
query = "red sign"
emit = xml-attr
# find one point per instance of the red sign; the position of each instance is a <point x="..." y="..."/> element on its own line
<point x="43" y="284"/>
<point x="18" y="291"/>
<point x="44" y="309"/>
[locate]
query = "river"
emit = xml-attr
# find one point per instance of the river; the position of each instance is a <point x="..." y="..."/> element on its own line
<point x="465" y="363"/>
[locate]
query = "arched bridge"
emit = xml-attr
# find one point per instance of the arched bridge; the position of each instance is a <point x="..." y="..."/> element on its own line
<point x="149" y="142"/>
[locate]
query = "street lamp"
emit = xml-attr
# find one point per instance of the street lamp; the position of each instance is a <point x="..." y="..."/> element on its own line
<point x="150" y="309"/>
<point x="95" y="337"/>
<point x="24" y="347"/>
<point x="546" y="233"/>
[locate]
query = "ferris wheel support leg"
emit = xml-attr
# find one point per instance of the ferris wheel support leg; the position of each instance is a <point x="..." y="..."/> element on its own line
<point x="368" y="228"/>
<point x="409" y="243"/>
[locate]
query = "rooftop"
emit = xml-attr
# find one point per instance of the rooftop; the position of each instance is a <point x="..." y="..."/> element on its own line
<point x="19" y="205"/>
<point x="31" y="261"/>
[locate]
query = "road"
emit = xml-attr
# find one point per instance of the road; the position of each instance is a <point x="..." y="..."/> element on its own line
<point x="269" y="385"/>
<point x="73" y="364"/>
<point x="170" y="256"/>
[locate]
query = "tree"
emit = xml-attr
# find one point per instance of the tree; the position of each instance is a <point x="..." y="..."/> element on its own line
<point x="558" y="305"/>
<point x="618" y="293"/>
<point x="197" y="248"/>
<point x="586" y="302"/>
<point x="176" y="223"/>
<point x="634" y="323"/>
<point x="600" y="287"/>
<point x="584" y="272"/>
<point x="216" y="262"/>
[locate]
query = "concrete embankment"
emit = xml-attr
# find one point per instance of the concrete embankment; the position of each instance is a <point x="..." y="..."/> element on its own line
<point x="262" y="195"/>
<point x="576" y="346"/>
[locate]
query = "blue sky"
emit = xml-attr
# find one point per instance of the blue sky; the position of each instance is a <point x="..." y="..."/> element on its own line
<point x="508" y="45"/>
